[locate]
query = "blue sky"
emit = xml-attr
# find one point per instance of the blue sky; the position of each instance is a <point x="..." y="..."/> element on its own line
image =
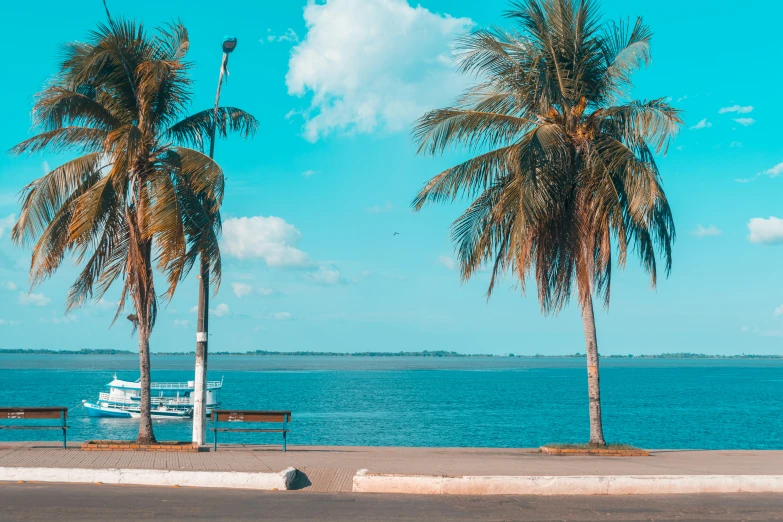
<point x="312" y="203"/>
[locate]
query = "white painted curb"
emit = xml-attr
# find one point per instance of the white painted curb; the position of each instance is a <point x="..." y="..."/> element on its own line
<point x="154" y="477"/>
<point x="366" y="482"/>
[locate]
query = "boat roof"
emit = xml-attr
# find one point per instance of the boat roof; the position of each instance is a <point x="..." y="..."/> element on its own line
<point x="185" y="386"/>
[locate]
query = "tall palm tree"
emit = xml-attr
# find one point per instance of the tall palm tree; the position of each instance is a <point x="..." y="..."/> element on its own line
<point x="135" y="199"/>
<point x="564" y="169"/>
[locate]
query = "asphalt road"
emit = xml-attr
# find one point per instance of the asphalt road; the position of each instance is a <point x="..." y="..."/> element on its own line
<point x="65" y="502"/>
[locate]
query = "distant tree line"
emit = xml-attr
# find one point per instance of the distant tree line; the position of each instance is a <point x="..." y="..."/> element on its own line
<point x="425" y="353"/>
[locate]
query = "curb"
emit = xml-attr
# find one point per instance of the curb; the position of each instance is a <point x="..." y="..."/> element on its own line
<point x="271" y="481"/>
<point x="366" y="482"/>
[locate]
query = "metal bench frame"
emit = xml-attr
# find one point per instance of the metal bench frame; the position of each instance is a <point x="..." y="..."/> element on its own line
<point x="52" y="412"/>
<point x="255" y="416"/>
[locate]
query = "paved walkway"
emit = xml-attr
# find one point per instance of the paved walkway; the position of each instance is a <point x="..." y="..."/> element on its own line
<point x="331" y="468"/>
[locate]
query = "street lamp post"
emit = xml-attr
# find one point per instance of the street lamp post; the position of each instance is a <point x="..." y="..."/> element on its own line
<point x="202" y="327"/>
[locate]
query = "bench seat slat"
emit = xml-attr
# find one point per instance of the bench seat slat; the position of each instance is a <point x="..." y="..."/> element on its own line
<point x="20" y="427"/>
<point x="260" y="430"/>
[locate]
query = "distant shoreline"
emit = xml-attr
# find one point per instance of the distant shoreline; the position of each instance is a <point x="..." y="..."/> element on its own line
<point x="425" y="353"/>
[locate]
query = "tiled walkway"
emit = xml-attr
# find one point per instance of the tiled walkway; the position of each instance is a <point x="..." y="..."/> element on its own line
<point x="331" y="468"/>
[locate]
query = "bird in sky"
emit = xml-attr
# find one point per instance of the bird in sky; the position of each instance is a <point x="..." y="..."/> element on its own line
<point x="396" y="234"/>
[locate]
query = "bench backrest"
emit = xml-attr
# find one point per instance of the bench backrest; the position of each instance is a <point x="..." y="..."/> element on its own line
<point x="57" y="412"/>
<point x="250" y="416"/>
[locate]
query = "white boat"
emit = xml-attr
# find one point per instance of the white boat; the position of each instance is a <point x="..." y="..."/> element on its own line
<point x="169" y="400"/>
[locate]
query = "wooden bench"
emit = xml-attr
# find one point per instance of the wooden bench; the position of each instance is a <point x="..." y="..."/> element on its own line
<point x="254" y="416"/>
<point x="53" y="412"/>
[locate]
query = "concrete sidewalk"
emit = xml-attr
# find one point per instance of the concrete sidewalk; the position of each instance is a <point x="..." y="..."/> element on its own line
<point x="323" y="468"/>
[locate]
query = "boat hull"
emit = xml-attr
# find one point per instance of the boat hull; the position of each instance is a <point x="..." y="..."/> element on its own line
<point x="98" y="410"/>
<point x="93" y="410"/>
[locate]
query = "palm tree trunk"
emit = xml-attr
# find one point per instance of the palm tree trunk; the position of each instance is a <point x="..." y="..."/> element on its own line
<point x="593" y="378"/>
<point x="145" y="420"/>
<point x="202" y="328"/>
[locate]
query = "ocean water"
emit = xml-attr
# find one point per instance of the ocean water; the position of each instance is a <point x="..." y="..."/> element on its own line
<point x="412" y="401"/>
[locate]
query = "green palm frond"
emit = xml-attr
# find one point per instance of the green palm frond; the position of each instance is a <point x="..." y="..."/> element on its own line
<point x="138" y="198"/>
<point x="196" y="129"/>
<point x="565" y="171"/>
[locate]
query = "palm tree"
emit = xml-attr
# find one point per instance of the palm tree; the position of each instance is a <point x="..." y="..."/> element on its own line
<point x="135" y="199"/>
<point x="563" y="169"/>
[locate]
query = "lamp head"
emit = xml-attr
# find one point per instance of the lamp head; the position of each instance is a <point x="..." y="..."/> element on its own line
<point x="229" y="44"/>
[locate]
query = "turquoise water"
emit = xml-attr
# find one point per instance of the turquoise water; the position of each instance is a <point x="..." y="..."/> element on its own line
<point x="653" y="403"/>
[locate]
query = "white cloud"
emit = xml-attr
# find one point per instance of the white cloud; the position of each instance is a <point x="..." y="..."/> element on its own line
<point x="309" y="173"/>
<point x="375" y="209"/>
<point x="325" y="275"/>
<point x="739" y="109"/>
<point x="745" y="122"/>
<point x="682" y="98"/>
<point x="281" y="316"/>
<point x="266" y="291"/>
<point x="735" y="144"/>
<point x="64" y="319"/>
<point x="765" y="230"/>
<point x="193" y="309"/>
<point x="773" y="172"/>
<point x="181" y="323"/>
<point x="6" y="322"/>
<point x="7" y="223"/>
<point x="221" y="310"/>
<point x="288" y="36"/>
<point x="9" y="285"/>
<point x="448" y="262"/>
<point x="33" y="299"/>
<point x="703" y="124"/>
<point x="373" y="64"/>
<point x="270" y="238"/>
<point x="46" y="168"/>
<point x="702" y="231"/>
<point x="104" y="304"/>
<point x="779" y="310"/>
<point x="241" y="289"/>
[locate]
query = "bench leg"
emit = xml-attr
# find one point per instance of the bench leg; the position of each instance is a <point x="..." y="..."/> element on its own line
<point x="284" y="442"/>
<point x="215" y="440"/>
<point x="64" y="437"/>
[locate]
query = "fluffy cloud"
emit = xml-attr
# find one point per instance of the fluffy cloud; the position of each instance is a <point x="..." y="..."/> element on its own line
<point x="181" y="323"/>
<point x="702" y="231"/>
<point x="325" y="275"/>
<point x="765" y="230"/>
<point x="373" y="64"/>
<point x="281" y="316"/>
<point x="9" y="285"/>
<point x="739" y="109"/>
<point x="448" y="262"/>
<point x="745" y="122"/>
<point x="241" y="289"/>
<point x="270" y="238"/>
<point x="221" y="310"/>
<point x="779" y="310"/>
<point x="32" y="299"/>
<point x="703" y="124"/>
<point x="309" y="173"/>
<point x="7" y="223"/>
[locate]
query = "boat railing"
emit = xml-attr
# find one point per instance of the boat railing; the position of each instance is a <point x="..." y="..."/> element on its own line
<point x="135" y="400"/>
<point x="182" y="385"/>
